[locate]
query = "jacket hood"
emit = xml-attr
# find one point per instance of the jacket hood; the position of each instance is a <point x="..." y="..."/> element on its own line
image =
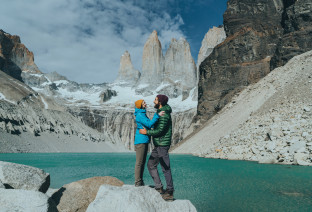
<point x="137" y="111"/>
<point x="165" y="108"/>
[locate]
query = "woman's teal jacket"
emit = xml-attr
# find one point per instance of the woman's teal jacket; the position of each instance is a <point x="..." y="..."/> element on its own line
<point x="143" y="121"/>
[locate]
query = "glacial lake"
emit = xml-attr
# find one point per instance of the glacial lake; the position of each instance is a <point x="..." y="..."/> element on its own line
<point x="210" y="184"/>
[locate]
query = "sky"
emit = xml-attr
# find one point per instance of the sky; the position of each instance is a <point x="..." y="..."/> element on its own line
<point x="84" y="39"/>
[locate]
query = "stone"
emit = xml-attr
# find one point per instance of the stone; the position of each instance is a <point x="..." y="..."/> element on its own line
<point x="107" y="95"/>
<point x="179" y="65"/>
<point x="306" y="109"/>
<point x="77" y="196"/>
<point x="126" y="72"/>
<point x="213" y="37"/>
<point x="271" y="146"/>
<point x="139" y="199"/>
<point x="153" y="61"/>
<point x="24" y="177"/>
<point x="300" y="159"/>
<point x="15" y="58"/>
<point x="269" y="160"/>
<point x="23" y="200"/>
<point x="296" y="146"/>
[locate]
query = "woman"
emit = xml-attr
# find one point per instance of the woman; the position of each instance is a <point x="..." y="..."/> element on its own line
<point x="141" y="141"/>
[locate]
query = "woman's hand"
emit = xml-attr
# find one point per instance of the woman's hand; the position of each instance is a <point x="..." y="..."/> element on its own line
<point x="162" y="113"/>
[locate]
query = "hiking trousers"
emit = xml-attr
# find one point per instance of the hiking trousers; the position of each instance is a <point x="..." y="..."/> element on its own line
<point x="160" y="155"/>
<point x="141" y="152"/>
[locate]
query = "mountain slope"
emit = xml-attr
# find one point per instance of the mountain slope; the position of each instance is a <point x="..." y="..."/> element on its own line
<point x="269" y="121"/>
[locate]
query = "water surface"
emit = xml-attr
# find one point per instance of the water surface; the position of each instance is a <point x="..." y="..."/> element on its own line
<point x="210" y="184"/>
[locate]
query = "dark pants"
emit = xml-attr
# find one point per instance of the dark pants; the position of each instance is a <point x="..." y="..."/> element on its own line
<point x="141" y="152"/>
<point x="160" y="155"/>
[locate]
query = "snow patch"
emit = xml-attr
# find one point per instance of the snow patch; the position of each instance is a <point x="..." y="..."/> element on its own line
<point x="46" y="106"/>
<point x="126" y="97"/>
<point x="163" y="85"/>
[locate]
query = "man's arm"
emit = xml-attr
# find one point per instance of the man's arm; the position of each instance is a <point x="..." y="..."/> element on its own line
<point x="161" y="127"/>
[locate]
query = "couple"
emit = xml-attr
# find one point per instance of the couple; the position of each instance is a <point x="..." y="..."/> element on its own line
<point x="161" y="132"/>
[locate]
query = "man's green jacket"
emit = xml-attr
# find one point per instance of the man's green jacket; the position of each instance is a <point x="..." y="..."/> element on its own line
<point x="162" y="131"/>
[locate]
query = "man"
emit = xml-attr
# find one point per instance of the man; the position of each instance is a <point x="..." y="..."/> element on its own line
<point x="161" y="133"/>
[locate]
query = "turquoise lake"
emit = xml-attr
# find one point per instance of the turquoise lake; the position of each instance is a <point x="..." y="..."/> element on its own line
<point x="210" y="184"/>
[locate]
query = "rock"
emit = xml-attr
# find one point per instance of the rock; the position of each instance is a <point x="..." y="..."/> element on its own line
<point x="261" y="35"/>
<point x="1" y="185"/>
<point x="126" y="72"/>
<point x="19" y="176"/>
<point x="297" y="146"/>
<point x="269" y="160"/>
<point x="51" y="191"/>
<point x="23" y="200"/>
<point x="271" y="146"/>
<point x="15" y="57"/>
<point x="306" y="109"/>
<point x="107" y="95"/>
<point x="179" y="65"/>
<point x="139" y="199"/>
<point x="296" y="38"/>
<point x="153" y="61"/>
<point x="304" y="134"/>
<point x="78" y="195"/>
<point x="300" y="159"/>
<point x="213" y="37"/>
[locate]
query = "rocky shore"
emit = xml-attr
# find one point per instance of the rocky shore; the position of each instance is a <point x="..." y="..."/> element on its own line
<point x="26" y="188"/>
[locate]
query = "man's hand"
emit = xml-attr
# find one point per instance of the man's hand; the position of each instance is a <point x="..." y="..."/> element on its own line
<point x="143" y="131"/>
<point x="161" y="113"/>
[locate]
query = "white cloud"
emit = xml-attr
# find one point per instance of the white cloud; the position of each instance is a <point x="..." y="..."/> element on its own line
<point x="84" y="40"/>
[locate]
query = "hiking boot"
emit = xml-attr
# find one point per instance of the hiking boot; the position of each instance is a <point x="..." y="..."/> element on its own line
<point x="160" y="190"/>
<point x="168" y="195"/>
<point x="139" y="184"/>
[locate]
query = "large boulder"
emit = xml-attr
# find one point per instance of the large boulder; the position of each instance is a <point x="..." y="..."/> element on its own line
<point x="78" y="195"/>
<point x="24" y="177"/>
<point x="22" y="200"/>
<point x="130" y="198"/>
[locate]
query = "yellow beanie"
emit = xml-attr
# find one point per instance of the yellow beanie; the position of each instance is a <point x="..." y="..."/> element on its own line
<point x="138" y="104"/>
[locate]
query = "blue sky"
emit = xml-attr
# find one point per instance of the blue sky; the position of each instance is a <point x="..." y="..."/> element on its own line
<point x="84" y="40"/>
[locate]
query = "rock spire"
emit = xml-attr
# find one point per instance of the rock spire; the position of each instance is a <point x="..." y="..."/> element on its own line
<point x="126" y="72"/>
<point x="179" y="64"/>
<point x="213" y="37"/>
<point x="152" y="61"/>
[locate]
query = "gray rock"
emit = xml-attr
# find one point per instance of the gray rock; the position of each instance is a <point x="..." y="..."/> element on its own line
<point x="296" y="146"/>
<point x="22" y="200"/>
<point x="126" y="72"/>
<point x="179" y="64"/>
<point x="139" y="199"/>
<point x="306" y="109"/>
<point x="300" y="159"/>
<point x="304" y="134"/>
<point x="269" y="160"/>
<point x="19" y="176"/>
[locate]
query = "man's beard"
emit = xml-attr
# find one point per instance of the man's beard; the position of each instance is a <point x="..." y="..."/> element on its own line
<point x="156" y="106"/>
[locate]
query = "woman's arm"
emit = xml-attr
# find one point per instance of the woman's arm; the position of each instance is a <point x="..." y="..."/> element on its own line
<point x="146" y="122"/>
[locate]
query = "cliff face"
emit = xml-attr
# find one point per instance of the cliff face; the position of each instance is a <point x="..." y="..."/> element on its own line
<point x="254" y="30"/>
<point x="120" y="125"/>
<point x="296" y="39"/>
<point x="15" y="57"/>
<point x="213" y="37"/>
